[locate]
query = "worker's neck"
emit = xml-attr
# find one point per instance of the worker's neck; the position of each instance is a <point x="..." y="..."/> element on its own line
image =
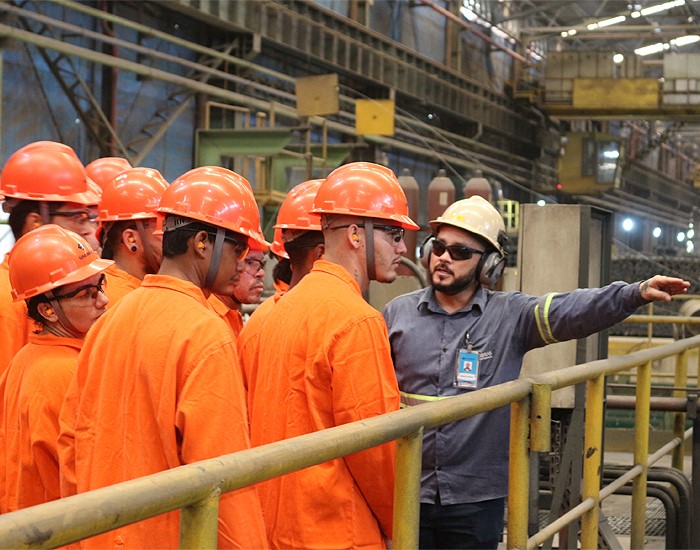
<point x="455" y="302"/>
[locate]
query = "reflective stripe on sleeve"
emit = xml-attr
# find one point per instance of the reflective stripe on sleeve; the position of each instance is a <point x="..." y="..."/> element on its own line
<point x="542" y="319"/>
<point x="413" y="399"/>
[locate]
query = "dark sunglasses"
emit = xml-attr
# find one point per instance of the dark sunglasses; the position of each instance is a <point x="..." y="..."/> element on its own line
<point x="91" y="291"/>
<point x="456" y="251"/>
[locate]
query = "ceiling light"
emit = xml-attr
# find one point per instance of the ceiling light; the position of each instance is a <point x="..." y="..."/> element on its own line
<point x="651" y="49"/>
<point x="661" y="7"/>
<point x="628" y="224"/>
<point x="683" y="40"/>
<point x="592" y="26"/>
<point x="618" y="58"/>
<point x="635" y="15"/>
<point x="611" y="21"/>
<point x="657" y="232"/>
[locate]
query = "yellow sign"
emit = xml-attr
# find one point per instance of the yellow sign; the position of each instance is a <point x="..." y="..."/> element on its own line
<point x="317" y="95"/>
<point x="374" y="117"/>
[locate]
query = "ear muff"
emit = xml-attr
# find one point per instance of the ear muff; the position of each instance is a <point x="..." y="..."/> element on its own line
<point x="490" y="268"/>
<point x="425" y="250"/>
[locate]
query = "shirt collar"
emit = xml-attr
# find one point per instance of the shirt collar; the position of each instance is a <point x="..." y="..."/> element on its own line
<point x="427" y="301"/>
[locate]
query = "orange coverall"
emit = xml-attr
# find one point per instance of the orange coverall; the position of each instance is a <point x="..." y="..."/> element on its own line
<point x="15" y="326"/>
<point x="119" y="284"/>
<point x="249" y="339"/>
<point x="157" y="385"/>
<point x="324" y="360"/>
<point x="31" y="394"/>
<point x="233" y="317"/>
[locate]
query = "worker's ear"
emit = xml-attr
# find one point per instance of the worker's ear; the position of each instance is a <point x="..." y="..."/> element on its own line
<point x="319" y="251"/>
<point x="129" y="238"/>
<point x="200" y="242"/>
<point x="31" y="222"/>
<point x="47" y="312"/>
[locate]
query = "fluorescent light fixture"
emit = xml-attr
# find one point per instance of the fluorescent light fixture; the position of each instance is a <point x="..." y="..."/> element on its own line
<point x="611" y="155"/>
<point x="661" y="7"/>
<point x="618" y="58"/>
<point x="683" y="40"/>
<point x="651" y="49"/>
<point x="611" y="21"/>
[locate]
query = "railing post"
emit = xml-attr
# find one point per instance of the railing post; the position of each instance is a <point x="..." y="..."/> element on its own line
<point x="541" y="418"/>
<point x="595" y="390"/>
<point x="680" y="381"/>
<point x="641" y="452"/>
<point x="409" y="451"/>
<point x="199" y="523"/>
<point x="519" y="474"/>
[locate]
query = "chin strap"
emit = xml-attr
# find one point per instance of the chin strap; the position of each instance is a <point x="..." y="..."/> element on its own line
<point x="369" y="244"/>
<point x="62" y="319"/>
<point x="215" y="257"/>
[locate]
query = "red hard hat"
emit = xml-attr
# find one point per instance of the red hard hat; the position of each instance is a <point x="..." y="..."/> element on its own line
<point x="103" y="170"/>
<point x="215" y="196"/>
<point x="364" y="189"/>
<point x="295" y="211"/>
<point x="49" y="257"/>
<point x="133" y="194"/>
<point x="46" y="171"/>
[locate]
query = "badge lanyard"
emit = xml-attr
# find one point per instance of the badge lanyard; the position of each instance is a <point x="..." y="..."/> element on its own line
<point x="467" y="367"/>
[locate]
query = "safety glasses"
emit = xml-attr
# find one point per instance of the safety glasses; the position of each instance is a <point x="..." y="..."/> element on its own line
<point x="253" y="266"/>
<point x="76" y="216"/>
<point x="86" y="291"/>
<point x="396" y="233"/>
<point x="456" y="251"/>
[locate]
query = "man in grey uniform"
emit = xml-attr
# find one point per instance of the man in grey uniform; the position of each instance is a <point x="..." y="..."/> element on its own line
<point x="457" y="336"/>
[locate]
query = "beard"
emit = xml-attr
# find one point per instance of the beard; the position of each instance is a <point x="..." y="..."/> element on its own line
<point x="457" y="285"/>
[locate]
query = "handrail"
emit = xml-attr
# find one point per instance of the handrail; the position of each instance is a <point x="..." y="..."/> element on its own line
<point x="70" y="519"/>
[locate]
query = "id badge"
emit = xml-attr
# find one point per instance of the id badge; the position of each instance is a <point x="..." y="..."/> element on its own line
<point x="467" y="369"/>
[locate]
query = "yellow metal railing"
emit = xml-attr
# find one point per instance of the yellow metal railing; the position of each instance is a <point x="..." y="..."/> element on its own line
<point x="195" y="489"/>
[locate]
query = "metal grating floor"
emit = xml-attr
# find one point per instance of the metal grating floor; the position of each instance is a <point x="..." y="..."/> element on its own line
<point x="654" y="526"/>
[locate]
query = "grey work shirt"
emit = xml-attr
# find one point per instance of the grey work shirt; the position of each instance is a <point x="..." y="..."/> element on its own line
<point x="468" y="460"/>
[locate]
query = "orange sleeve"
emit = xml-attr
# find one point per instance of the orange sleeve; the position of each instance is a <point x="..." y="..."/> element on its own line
<point x="364" y="349"/>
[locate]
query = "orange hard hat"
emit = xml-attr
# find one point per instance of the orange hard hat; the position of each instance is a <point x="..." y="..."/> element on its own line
<point x="49" y="257"/>
<point x="103" y="170"/>
<point x="46" y="171"/>
<point x="295" y="211"/>
<point x="364" y="189"/>
<point x="133" y="194"/>
<point x="277" y="246"/>
<point x="216" y="196"/>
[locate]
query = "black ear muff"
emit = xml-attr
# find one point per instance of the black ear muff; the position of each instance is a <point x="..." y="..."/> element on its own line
<point x="490" y="268"/>
<point x="425" y="250"/>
